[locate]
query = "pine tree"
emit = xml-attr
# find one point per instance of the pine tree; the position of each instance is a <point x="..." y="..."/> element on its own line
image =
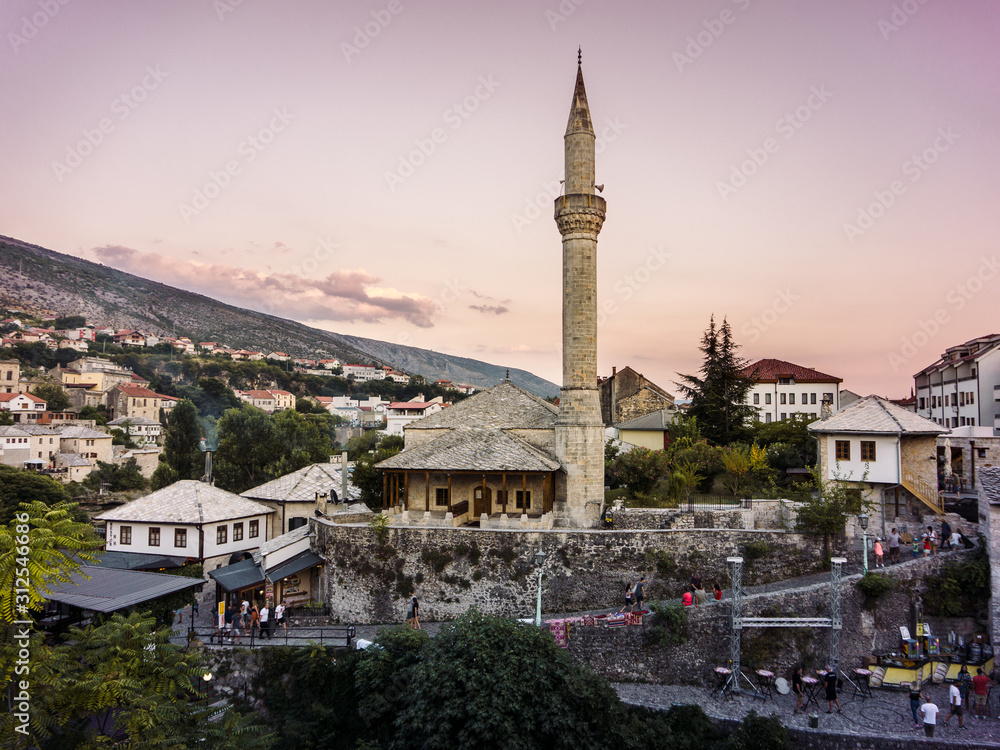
<point x="181" y="443"/>
<point x="718" y="394"/>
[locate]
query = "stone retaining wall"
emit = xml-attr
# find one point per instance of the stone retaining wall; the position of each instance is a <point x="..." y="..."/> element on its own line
<point x="629" y="654"/>
<point x="367" y="580"/>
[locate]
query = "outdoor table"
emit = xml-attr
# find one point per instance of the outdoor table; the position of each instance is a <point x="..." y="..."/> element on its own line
<point x="722" y="677"/>
<point x="862" y="686"/>
<point x="811" y="685"/>
<point x="765" y="679"/>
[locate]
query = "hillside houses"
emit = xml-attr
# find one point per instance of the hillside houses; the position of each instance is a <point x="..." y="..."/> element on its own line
<point x="270" y="401"/>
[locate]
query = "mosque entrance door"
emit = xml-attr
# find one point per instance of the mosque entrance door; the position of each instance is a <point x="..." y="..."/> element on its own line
<point x="482" y="498"/>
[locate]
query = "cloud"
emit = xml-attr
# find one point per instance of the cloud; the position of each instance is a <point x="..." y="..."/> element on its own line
<point x="521" y="349"/>
<point x="490" y="309"/>
<point x="347" y="295"/>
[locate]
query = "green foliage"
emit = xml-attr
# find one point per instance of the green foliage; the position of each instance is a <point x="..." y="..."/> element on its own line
<point x="746" y="466"/>
<point x="182" y="440"/>
<point x="669" y="624"/>
<point x="665" y="563"/>
<point x="379" y="523"/>
<point x="874" y="586"/>
<point x="789" y="444"/>
<point x="23" y="486"/>
<point x="697" y="461"/>
<point x="361" y="445"/>
<point x="69" y="321"/>
<point x="56" y="545"/>
<point x="760" y="733"/>
<point x="436" y="559"/>
<point x="53" y="394"/>
<point x="255" y="448"/>
<point x="164" y="475"/>
<point x="825" y="513"/>
<point x="367" y="478"/>
<point x="960" y="588"/>
<point x="757" y="550"/>
<point x="639" y="469"/>
<point x="123" y="682"/>
<point x="718" y="392"/>
<point x="119" y="477"/>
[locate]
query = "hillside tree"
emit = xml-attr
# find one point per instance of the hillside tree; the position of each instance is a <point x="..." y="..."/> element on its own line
<point x="182" y="442"/>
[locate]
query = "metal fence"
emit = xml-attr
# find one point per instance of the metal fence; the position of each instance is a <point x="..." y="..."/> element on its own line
<point x="714" y="502"/>
<point x="338" y="637"/>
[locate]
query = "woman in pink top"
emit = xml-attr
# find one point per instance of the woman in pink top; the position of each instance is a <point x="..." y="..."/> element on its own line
<point x="878" y="554"/>
<point x="688" y="598"/>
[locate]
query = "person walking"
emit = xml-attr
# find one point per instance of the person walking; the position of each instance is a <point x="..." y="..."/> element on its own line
<point x="955" y="704"/>
<point x="956" y="539"/>
<point x="879" y="561"/>
<point x="628" y="597"/>
<point x="945" y="535"/>
<point x="798" y="688"/>
<point x="980" y="691"/>
<point x="639" y="595"/>
<point x="279" y="616"/>
<point x="930" y="541"/>
<point x="915" y="699"/>
<point x="929" y="712"/>
<point x="227" y="628"/>
<point x="254" y="620"/>
<point x="194" y="613"/>
<point x="265" y="625"/>
<point x="830" y="680"/>
<point x="894" y="545"/>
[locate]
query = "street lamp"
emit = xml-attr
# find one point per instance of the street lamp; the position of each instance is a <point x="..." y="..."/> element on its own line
<point x="863" y="520"/>
<point x="539" y="560"/>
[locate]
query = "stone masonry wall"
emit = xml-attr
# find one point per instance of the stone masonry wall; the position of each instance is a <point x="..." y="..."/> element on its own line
<point x="367" y="580"/>
<point x="629" y="655"/>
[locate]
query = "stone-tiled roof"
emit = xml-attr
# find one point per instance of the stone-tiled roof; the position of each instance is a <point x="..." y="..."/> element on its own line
<point x="301" y="486"/>
<point x="989" y="484"/>
<point x="657" y="420"/>
<point x="134" y="421"/>
<point x="71" y="459"/>
<point x="11" y="431"/>
<point x="473" y="449"/>
<point x="81" y="433"/>
<point x="282" y="541"/>
<point x="503" y="407"/>
<point x="186" y="501"/>
<point x="873" y="414"/>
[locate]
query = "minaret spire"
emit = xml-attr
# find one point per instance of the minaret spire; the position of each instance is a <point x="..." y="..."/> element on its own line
<point x="579" y="214"/>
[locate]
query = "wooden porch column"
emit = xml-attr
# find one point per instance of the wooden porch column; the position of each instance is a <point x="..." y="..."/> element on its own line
<point x="406" y="490"/>
<point x="524" y="494"/>
<point x="385" y="490"/>
<point x="449" y="493"/>
<point x="484" y="494"/>
<point x="427" y="490"/>
<point x="547" y="490"/>
<point x="505" y="492"/>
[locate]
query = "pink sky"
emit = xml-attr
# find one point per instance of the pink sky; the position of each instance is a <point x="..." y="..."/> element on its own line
<point x="330" y="214"/>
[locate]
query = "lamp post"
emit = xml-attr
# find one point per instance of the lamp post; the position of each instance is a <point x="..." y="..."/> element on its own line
<point x="863" y="520"/>
<point x="539" y="559"/>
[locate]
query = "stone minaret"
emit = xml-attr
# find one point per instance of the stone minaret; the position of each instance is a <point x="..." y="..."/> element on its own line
<point x="579" y="213"/>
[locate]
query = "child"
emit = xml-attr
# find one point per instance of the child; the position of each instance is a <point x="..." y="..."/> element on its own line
<point x="878" y="553"/>
<point x="628" y="598"/>
<point x="927" y="545"/>
<point x="916" y="548"/>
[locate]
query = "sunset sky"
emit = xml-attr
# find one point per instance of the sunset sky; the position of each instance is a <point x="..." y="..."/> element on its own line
<point x="823" y="174"/>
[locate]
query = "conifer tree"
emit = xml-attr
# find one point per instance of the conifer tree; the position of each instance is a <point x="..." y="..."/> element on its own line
<point x="182" y="442"/>
<point x="718" y="393"/>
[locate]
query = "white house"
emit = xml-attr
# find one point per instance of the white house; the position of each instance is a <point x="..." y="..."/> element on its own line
<point x="364" y="373"/>
<point x="15" y="446"/>
<point x="783" y="389"/>
<point x="890" y="450"/>
<point x="142" y="430"/>
<point x="21" y="402"/>
<point x="401" y="413"/>
<point x="962" y="388"/>
<point x="187" y="519"/>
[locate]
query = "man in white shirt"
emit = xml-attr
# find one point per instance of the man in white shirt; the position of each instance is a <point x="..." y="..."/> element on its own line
<point x="955" y="701"/>
<point x="279" y="616"/>
<point x="929" y="711"/>
<point x="265" y="626"/>
<point x="956" y="539"/>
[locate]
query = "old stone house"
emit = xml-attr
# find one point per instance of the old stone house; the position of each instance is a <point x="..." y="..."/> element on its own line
<point x="628" y="395"/>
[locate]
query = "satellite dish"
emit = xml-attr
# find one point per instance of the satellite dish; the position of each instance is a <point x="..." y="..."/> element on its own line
<point x="781" y="685"/>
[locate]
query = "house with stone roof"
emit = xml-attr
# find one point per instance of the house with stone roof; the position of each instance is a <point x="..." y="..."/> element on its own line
<point x="15" y="446"/>
<point x="782" y="389"/>
<point x="189" y="519"/>
<point x="648" y="431"/>
<point x="141" y="430"/>
<point x="891" y="451"/>
<point x="490" y="457"/>
<point x="627" y="395"/>
<point x="296" y="497"/>
<point x="130" y="400"/>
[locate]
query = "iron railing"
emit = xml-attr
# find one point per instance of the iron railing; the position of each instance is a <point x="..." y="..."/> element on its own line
<point x="336" y="636"/>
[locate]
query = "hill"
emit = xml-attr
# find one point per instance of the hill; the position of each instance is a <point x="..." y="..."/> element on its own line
<point x="37" y="279"/>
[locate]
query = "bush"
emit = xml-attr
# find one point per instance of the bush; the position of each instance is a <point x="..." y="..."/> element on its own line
<point x="639" y="469"/>
<point x="760" y="733"/>
<point x="874" y="586"/>
<point x="670" y="625"/>
<point x="757" y="550"/>
<point x="665" y="563"/>
<point x="960" y="588"/>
